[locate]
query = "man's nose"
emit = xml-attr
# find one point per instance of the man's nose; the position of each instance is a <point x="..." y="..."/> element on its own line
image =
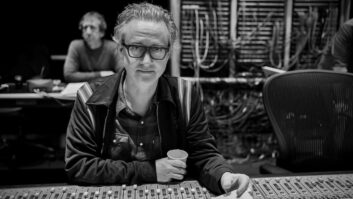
<point x="146" y="58"/>
<point x="88" y="30"/>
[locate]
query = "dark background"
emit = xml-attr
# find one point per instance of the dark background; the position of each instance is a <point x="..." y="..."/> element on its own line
<point x="30" y="33"/>
<point x="31" y="29"/>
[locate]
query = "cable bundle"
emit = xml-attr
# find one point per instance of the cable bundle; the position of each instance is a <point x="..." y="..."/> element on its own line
<point x="238" y="120"/>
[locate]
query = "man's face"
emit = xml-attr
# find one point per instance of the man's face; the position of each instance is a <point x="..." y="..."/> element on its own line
<point x="90" y="29"/>
<point x="138" y="34"/>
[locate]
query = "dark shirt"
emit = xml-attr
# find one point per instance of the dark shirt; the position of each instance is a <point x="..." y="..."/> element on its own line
<point x="342" y="46"/>
<point x="137" y="137"/>
<point x="80" y="58"/>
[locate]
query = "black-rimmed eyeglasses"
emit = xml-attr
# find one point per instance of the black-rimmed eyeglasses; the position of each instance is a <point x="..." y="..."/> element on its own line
<point x="136" y="51"/>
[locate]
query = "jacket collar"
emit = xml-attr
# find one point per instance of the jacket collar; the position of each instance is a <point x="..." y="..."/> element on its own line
<point x="106" y="91"/>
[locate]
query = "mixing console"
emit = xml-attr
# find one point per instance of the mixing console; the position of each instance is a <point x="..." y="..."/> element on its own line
<point x="314" y="186"/>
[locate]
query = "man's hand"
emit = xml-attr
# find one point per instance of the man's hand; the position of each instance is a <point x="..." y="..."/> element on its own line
<point x="168" y="169"/>
<point x="232" y="181"/>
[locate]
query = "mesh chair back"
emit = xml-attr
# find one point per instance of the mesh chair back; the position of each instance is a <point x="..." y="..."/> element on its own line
<point x="311" y="112"/>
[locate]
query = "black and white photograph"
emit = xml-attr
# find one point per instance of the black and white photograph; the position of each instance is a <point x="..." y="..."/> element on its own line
<point x="176" y="99"/>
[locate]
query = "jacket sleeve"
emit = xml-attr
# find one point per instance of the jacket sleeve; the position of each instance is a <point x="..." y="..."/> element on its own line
<point x="203" y="153"/>
<point x="83" y="162"/>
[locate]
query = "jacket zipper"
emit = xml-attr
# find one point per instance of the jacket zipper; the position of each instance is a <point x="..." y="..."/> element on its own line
<point x="104" y="129"/>
<point x="159" y="132"/>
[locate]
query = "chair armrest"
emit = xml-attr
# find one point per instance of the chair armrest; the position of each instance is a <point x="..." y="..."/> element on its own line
<point x="272" y="169"/>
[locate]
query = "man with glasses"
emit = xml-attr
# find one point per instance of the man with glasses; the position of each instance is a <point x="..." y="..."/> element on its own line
<point x="122" y="126"/>
<point x="93" y="56"/>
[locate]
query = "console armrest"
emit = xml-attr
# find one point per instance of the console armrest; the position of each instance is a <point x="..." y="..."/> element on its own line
<point x="272" y="169"/>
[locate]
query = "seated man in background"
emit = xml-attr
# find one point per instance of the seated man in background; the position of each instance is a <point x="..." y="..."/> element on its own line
<point x="93" y="56"/>
<point x="122" y="126"/>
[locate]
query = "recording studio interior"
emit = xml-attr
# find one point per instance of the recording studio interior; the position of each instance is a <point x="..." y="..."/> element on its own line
<point x="274" y="78"/>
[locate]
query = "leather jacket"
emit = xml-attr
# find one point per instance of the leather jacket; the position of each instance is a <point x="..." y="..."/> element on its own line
<point x="91" y="126"/>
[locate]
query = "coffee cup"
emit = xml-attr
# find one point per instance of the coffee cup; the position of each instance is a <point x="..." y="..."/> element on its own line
<point x="177" y="154"/>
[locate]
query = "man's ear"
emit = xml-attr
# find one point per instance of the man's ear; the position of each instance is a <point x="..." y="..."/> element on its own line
<point x="120" y="48"/>
<point x="102" y="34"/>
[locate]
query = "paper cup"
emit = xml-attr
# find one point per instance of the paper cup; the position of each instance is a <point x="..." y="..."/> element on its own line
<point x="177" y="154"/>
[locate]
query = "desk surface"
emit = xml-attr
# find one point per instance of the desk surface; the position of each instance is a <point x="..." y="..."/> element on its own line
<point x="15" y="96"/>
<point x="9" y="92"/>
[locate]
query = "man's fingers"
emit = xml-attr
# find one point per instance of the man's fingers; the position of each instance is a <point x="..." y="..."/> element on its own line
<point x="179" y="171"/>
<point x="178" y="163"/>
<point x="176" y="176"/>
<point x="243" y="185"/>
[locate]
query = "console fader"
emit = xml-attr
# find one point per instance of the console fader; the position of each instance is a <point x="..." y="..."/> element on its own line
<point x="309" y="186"/>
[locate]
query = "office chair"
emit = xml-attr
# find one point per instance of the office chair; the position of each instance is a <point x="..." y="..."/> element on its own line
<point x="15" y="149"/>
<point x="311" y="112"/>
